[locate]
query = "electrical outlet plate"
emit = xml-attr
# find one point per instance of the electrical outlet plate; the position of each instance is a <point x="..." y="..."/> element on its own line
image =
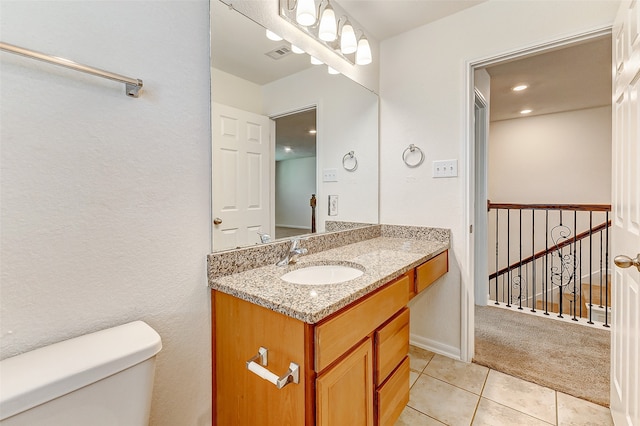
<point x="329" y="175"/>
<point x="445" y="168"/>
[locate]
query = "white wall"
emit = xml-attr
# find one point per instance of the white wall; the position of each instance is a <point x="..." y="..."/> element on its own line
<point x="425" y="101"/>
<point x="234" y="91"/>
<point x="295" y="182"/>
<point x="347" y="120"/>
<point x="105" y="198"/>
<point x="554" y="158"/>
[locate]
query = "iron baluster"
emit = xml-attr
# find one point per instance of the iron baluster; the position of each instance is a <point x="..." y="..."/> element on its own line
<point x="575" y="280"/>
<point x="606" y="262"/>
<point x="533" y="250"/>
<point x="497" y="244"/>
<point x="508" y="258"/>
<point x="590" y="268"/>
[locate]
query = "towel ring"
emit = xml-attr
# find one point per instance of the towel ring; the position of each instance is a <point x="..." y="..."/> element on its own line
<point x="350" y="156"/>
<point x="412" y="148"/>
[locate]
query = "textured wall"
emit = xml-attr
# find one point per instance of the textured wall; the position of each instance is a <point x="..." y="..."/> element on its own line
<point x="105" y="199"/>
<point x="424" y="100"/>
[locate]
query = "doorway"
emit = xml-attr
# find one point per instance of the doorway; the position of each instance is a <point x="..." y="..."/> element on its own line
<point x="295" y="173"/>
<point x="478" y="239"/>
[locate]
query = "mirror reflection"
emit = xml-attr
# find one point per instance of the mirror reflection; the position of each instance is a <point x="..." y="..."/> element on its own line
<point x="258" y="86"/>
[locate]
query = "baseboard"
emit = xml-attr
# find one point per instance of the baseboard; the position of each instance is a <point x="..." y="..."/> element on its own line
<point x="434" y="346"/>
<point x="293" y="226"/>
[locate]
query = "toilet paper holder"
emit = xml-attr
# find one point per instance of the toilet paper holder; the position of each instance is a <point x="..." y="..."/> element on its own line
<point x="257" y="366"/>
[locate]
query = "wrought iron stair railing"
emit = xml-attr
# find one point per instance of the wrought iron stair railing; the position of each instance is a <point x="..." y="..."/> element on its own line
<point x="551" y="258"/>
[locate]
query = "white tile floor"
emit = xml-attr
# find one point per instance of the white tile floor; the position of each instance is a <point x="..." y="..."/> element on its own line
<point x="450" y="392"/>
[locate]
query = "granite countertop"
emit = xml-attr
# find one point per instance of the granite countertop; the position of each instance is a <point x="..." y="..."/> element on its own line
<point x="383" y="259"/>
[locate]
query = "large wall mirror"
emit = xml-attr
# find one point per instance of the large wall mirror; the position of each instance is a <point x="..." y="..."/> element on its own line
<point x="282" y="131"/>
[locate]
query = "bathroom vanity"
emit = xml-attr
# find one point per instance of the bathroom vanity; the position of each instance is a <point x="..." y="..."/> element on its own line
<point x="346" y="343"/>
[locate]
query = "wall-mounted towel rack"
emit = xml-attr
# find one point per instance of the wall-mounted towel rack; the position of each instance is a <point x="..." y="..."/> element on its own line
<point x="133" y="85"/>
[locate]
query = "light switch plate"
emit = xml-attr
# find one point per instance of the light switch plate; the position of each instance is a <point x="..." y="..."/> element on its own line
<point x="445" y="168"/>
<point x="333" y="205"/>
<point x="329" y="175"/>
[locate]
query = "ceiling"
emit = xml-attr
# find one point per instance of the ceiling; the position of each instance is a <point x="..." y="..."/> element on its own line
<point x="292" y="131"/>
<point x="567" y="79"/>
<point x="571" y="78"/>
<point x="387" y="18"/>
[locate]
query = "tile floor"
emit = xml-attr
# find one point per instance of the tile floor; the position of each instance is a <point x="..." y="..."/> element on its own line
<point x="450" y="392"/>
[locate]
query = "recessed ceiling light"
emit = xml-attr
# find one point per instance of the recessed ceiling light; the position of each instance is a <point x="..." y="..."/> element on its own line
<point x="313" y="132"/>
<point x="525" y="111"/>
<point x="519" y="87"/>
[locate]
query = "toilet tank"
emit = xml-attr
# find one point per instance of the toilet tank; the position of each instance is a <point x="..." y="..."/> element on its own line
<point x="102" y="378"/>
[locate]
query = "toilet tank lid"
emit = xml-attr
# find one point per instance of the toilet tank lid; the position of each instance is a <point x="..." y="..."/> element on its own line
<point x="38" y="376"/>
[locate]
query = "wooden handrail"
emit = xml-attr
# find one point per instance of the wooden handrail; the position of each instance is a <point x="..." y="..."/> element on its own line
<point x="545" y="252"/>
<point x="572" y="207"/>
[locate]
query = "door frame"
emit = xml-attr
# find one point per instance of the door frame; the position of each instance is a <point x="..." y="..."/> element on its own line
<point x="471" y="210"/>
<point x="272" y="177"/>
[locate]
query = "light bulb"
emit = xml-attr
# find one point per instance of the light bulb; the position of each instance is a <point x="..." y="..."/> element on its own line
<point x="273" y="36"/>
<point x="332" y="71"/>
<point x="328" y="29"/>
<point x="315" y="61"/>
<point x="348" y="43"/>
<point x="363" y="54"/>
<point x="306" y="12"/>
<point x="295" y="49"/>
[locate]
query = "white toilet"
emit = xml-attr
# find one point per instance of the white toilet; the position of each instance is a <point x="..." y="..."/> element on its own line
<point x="103" y="378"/>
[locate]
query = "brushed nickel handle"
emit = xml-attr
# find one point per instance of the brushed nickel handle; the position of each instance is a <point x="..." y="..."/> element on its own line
<point x="626" y="262"/>
<point x="217" y="221"/>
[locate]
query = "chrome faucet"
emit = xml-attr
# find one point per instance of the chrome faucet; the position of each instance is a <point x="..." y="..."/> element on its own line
<point x="294" y="251"/>
<point x="264" y="238"/>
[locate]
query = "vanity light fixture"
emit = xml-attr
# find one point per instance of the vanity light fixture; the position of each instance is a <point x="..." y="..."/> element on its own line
<point x="295" y="49"/>
<point x="315" y="61"/>
<point x="332" y="71"/>
<point x="519" y="87"/>
<point x="526" y="111"/>
<point x="318" y="20"/>
<point x="313" y="131"/>
<point x="328" y="30"/>
<point x="273" y="36"/>
<point x="348" y="42"/>
<point x="363" y="54"/>
<point x="306" y="12"/>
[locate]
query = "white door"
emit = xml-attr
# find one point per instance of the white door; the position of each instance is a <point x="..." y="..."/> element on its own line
<point x="241" y="176"/>
<point x="625" y="336"/>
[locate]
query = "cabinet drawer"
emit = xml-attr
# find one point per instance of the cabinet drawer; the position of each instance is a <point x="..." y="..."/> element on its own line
<point x="431" y="270"/>
<point x="392" y="345"/>
<point x="393" y="396"/>
<point x="336" y="335"/>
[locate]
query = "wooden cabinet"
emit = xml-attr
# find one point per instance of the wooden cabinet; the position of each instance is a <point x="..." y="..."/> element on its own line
<point x="344" y="392"/>
<point x="354" y="368"/>
<point x="431" y="270"/>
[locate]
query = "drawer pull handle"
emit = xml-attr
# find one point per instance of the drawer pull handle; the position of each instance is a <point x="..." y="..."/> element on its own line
<point x="291" y="376"/>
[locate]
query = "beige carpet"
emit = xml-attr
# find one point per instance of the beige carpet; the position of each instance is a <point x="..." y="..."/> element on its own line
<point x="565" y="357"/>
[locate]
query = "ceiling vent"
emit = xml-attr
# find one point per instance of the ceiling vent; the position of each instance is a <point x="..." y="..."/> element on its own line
<point x="279" y="52"/>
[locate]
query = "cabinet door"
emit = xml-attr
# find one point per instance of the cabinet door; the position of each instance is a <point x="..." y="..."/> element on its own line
<point x="344" y="393"/>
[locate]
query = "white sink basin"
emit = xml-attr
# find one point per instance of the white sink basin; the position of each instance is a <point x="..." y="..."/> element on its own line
<point x="322" y="274"/>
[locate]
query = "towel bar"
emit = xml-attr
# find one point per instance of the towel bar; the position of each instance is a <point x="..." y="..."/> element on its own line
<point x="291" y="376"/>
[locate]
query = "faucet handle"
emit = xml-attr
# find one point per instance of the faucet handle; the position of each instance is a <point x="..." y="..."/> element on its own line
<point x="295" y="241"/>
<point x="264" y="237"/>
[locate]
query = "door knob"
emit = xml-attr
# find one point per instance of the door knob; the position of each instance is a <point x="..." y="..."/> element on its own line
<point x="627" y="262"/>
<point x="217" y="221"/>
